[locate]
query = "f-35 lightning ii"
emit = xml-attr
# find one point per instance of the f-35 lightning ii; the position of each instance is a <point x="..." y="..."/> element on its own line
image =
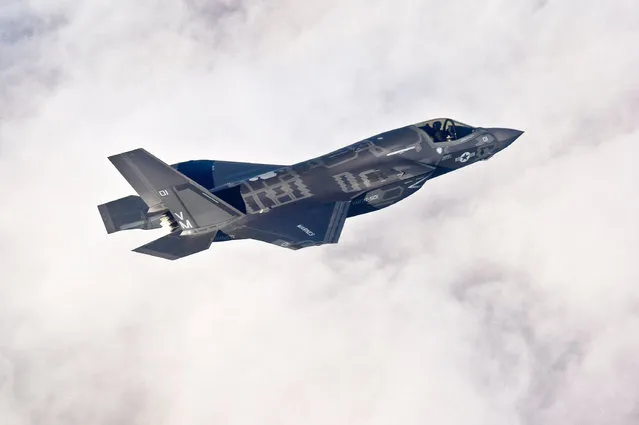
<point x="292" y="206"/>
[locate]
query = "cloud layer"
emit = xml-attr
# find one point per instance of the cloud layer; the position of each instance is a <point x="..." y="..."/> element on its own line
<point x="505" y="293"/>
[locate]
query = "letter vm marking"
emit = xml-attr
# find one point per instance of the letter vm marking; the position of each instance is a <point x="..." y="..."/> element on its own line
<point x="186" y="225"/>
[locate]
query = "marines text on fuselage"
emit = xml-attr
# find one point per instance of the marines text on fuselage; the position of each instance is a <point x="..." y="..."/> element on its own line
<point x="292" y="206"/>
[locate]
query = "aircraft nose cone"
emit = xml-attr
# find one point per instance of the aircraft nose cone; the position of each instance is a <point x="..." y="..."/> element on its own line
<point x="505" y="136"/>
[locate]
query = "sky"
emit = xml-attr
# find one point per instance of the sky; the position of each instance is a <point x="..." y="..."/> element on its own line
<point x="504" y="293"/>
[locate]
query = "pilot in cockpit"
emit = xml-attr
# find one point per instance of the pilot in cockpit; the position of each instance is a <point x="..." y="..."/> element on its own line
<point x="438" y="134"/>
<point x="446" y="129"/>
<point x="428" y="130"/>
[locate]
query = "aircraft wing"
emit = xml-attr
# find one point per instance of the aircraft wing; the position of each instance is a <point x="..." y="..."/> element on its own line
<point x="300" y="225"/>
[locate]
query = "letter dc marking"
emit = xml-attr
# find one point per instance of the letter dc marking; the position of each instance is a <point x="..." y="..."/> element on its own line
<point x="350" y="182"/>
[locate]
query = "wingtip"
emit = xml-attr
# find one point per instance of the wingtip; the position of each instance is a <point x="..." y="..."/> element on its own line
<point x="153" y="253"/>
<point x="123" y="154"/>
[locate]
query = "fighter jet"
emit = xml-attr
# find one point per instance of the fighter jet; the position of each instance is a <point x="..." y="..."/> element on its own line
<point x="293" y="206"/>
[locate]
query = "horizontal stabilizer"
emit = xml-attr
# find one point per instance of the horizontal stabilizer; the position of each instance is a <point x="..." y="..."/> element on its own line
<point x="127" y="213"/>
<point x="161" y="186"/>
<point x="174" y="246"/>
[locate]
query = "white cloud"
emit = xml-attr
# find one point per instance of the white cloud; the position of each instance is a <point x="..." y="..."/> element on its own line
<point x="505" y="293"/>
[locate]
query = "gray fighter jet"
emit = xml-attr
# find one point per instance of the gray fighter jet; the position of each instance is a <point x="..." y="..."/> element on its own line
<point x="292" y="206"/>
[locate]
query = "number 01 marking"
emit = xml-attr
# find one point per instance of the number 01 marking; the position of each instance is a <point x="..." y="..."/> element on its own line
<point x="164" y="192"/>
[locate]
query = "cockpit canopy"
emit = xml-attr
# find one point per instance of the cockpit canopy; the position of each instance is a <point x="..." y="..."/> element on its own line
<point x="445" y="129"/>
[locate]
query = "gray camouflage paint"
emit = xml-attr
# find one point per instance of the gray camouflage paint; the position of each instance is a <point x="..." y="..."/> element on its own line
<point x="295" y="206"/>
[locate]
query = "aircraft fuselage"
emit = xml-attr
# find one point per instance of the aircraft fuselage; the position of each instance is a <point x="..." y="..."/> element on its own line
<point x="372" y="173"/>
<point x="296" y="206"/>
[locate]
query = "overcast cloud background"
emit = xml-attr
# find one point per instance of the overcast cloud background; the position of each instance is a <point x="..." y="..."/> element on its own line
<point x="506" y="293"/>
